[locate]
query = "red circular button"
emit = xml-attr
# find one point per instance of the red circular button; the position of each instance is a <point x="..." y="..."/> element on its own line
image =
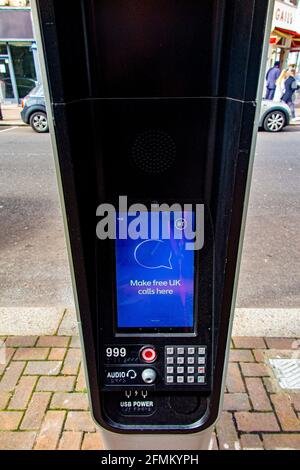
<point x="148" y="355"/>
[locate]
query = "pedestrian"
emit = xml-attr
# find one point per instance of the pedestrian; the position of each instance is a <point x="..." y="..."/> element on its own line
<point x="280" y="88"/>
<point x="291" y="86"/>
<point x="271" y="77"/>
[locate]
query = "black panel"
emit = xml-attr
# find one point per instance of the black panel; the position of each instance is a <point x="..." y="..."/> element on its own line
<point x="156" y="101"/>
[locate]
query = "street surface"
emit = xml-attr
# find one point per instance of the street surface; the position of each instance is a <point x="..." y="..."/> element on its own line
<point x="33" y="260"/>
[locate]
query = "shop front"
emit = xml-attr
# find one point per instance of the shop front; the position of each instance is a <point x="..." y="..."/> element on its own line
<point x="19" y="68"/>
<point x="284" y="40"/>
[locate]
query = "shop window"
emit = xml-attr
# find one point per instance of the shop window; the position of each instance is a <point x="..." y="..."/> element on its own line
<point x="23" y="63"/>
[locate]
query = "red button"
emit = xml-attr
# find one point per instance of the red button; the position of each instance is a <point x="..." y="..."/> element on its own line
<point x="148" y="355"/>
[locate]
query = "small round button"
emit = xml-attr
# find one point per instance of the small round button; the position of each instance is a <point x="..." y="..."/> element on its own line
<point x="148" y="354"/>
<point x="149" y="376"/>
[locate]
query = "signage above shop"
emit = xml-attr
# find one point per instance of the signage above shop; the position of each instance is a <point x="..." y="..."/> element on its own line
<point x="15" y="24"/>
<point x="286" y="15"/>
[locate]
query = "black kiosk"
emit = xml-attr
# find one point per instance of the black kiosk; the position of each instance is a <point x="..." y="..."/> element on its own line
<point x="155" y="101"/>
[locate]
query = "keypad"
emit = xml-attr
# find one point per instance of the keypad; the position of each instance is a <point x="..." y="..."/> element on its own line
<point x="185" y="365"/>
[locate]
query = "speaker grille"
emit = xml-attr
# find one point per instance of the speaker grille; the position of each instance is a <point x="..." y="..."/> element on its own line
<point x="153" y="151"/>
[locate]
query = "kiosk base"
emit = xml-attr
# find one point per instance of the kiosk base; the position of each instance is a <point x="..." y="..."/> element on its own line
<point x="197" y="441"/>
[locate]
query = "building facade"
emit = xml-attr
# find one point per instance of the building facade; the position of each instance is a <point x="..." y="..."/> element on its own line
<point x="19" y="67"/>
<point x="285" y="37"/>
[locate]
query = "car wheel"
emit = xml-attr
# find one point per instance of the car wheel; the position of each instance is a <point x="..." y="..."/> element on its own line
<point x="39" y="122"/>
<point x="274" y="121"/>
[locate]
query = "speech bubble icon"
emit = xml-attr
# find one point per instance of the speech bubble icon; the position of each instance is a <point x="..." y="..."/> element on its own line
<point x="153" y="254"/>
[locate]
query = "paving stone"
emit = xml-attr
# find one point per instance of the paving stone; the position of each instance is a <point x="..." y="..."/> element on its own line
<point x="69" y="325"/>
<point x="56" y="384"/>
<point x="295" y="398"/>
<point x="80" y="384"/>
<point x="226" y="432"/>
<point x="213" y="445"/>
<point x="285" y="413"/>
<point x="17" y="440"/>
<point x="241" y="355"/>
<point x="22" y="393"/>
<point x="280" y="343"/>
<point x="4" y="399"/>
<point x="256" y="422"/>
<point x="9" y="420"/>
<point x="49" y="434"/>
<point x="236" y="402"/>
<point x="271" y="384"/>
<point x="234" y="381"/>
<point x="72" y="362"/>
<point x="251" y="442"/>
<point x="35" y="412"/>
<point x="53" y="341"/>
<point x="248" y="342"/>
<point x="254" y="370"/>
<point x="75" y="342"/>
<point x="70" y="440"/>
<point x="70" y="401"/>
<point x="43" y="368"/>
<point x="57" y="354"/>
<point x="259" y="354"/>
<point x="281" y="441"/>
<point x="11" y="376"/>
<point x="258" y="395"/>
<point x="92" y="441"/>
<point x="6" y="355"/>
<point x="79" y="421"/>
<point x="31" y="354"/>
<point x="21" y="341"/>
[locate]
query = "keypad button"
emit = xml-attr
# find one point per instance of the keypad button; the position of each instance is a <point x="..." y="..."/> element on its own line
<point x="185" y="365"/>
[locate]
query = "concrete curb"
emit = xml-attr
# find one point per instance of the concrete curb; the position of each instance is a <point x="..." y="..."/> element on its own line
<point x="268" y="322"/>
<point x="276" y="322"/>
<point x="13" y="123"/>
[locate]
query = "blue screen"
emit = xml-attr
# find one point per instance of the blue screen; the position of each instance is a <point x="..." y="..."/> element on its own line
<point x="155" y="279"/>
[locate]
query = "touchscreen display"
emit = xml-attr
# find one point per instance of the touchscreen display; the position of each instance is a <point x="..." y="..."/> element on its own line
<point x="155" y="276"/>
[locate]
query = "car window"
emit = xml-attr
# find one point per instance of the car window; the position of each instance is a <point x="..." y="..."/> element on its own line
<point x="37" y="91"/>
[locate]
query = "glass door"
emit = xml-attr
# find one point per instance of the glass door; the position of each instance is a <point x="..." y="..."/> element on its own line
<point x="6" y="88"/>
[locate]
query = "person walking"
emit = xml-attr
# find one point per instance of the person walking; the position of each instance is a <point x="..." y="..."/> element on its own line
<point x="271" y="77"/>
<point x="290" y="86"/>
<point x="280" y="88"/>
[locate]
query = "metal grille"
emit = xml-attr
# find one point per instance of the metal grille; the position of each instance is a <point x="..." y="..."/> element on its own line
<point x="153" y="151"/>
<point x="287" y="371"/>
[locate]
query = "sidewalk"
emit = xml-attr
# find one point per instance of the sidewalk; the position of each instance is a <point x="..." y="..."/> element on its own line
<point x="11" y="115"/>
<point x="43" y="399"/>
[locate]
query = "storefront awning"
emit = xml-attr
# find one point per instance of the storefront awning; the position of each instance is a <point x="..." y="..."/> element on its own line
<point x="279" y="33"/>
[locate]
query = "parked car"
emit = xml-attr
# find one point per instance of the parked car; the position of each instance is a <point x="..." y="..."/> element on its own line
<point x="34" y="110"/>
<point x="274" y="116"/>
<point x="24" y="85"/>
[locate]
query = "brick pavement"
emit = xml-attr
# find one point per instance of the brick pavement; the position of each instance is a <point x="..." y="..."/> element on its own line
<point x="43" y="399"/>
